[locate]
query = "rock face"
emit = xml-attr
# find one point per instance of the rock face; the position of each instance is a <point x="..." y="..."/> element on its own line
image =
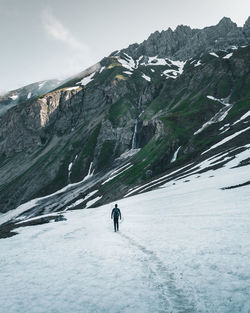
<point x="185" y="43"/>
<point x="26" y="94"/>
<point x="132" y="110"/>
<point x="246" y="28"/>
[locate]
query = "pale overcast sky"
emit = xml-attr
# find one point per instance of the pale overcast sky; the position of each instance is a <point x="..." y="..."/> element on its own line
<point x="42" y="39"/>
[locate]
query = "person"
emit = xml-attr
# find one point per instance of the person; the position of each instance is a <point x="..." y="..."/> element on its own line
<point x="116" y="213"/>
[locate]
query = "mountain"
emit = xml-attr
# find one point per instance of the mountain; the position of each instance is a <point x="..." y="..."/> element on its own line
<point x="139" y="118"/>
<point x="185" y="43"/>
<point x="26" y="93"/>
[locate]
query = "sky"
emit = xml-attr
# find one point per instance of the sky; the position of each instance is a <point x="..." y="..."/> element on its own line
<point x="46" y="39"/>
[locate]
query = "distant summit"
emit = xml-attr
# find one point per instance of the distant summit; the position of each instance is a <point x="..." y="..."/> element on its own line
<point x="184" y="43"/>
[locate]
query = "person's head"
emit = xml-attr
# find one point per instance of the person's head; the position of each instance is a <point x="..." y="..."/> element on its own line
<point x="116" y="205"/>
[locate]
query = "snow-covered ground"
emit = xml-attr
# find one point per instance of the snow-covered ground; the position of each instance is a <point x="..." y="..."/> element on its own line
<point x="184" y="247"/>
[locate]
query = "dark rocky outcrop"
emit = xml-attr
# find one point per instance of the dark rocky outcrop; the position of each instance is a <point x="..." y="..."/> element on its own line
<point x="184" y="43"/>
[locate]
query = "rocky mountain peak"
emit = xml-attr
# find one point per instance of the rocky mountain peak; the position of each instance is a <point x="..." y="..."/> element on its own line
<point x="247" y="23"/>
<point x="182" y="28"/>
<point x="227" y="23"/>
<point x="185" y="42"/>
<point x="246" y="28"/>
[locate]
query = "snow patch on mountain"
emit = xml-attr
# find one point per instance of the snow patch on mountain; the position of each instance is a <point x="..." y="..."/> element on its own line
<point x="175" y="155"/>
<point x="147" y="78"/>
<point x="170" y="74"/>
<point x="128" y="154"/>
<point x="86" y="80"/>
<point x="226" y="139"/>
<point x="228" y="56"/>
<point x="14" y="97"/>
<point x="72" y="88"/>
<point x="218" y="117"/>
<point x="79" y="201"/>
<point x="179" y="64"/>
<point x="93" y="201"/>
<point x="224" y="126"/>
<point x="118" y="172"/>
<point x="127" y="72"/>
<point x="214" y="54"/>
<point x="198" y="63"/>
<point x="138" y="61"/>
<point x="155" y="61"/>
<point x="127" y="62"/>
<point x="242" y="118"/>
<point x="40" y="85"/>
<point x="223" y="101"/>
<point x="158" y="180"/>
<point x="70" y="166"/>
<point x="101" y="69"/>
<point x="203" y="169"/>
<point x="90" y="172"/>
<point x="174" y="73"/>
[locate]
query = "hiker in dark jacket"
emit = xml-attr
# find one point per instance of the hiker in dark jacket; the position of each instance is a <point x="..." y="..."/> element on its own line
<point x="116" y="213"/>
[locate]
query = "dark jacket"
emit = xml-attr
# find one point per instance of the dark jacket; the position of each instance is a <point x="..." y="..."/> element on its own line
<point x="116" y="213"/>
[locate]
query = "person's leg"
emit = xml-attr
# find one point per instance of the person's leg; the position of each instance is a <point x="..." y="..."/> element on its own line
<point x="117" y="226"/>
<point x="114" y="224"/>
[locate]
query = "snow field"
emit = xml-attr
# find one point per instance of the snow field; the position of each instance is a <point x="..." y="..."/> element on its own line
<point x="131" y="65"/>
<point x="86" y="268"/>
<point x="184" y="247"/>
